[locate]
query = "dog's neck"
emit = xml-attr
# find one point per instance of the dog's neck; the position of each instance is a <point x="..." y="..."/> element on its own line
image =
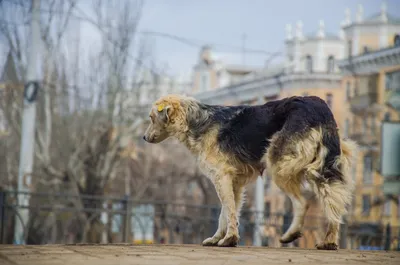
<point x="197" y="123"/>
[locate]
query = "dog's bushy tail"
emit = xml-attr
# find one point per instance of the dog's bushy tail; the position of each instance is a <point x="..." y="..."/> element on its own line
<point x="335" y="194"/>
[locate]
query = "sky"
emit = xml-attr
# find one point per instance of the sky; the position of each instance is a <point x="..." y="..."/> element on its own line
<point x="224" y="22"/>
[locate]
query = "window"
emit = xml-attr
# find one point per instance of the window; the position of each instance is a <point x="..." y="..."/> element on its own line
<point x="366" y="204"/>
<point x="204" y="82"/>
<point x="396" y="40"/>
<point x="267" y="209"/>
<point x="364" y="126"/>
<point x="398" y="209"/>
<point x="355" y="125"/>
<point x="373" y="124"/>
<point x="356" y="89"/>
<point x="387" y="208"/>
<point x="329" y="99"/>
<point x="392" y="81"/>
<point x="347" y="128"/>
<point x="267" y="183"/>
<point x="309" y="64"/>
<point x="348" y="91"/>
<point x="387" y="116"/>
<point x="354" y="170"/>
<point x="388" y="81"/>
<point x="349" y="48"/>
<point x="367" y="172"/>
<point x="331" y="64"/>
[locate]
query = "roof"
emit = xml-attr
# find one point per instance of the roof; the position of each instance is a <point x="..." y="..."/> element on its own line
<point x="376" y="18"/>
<point x="328" y="35"/>
<point x="240" y="69"/>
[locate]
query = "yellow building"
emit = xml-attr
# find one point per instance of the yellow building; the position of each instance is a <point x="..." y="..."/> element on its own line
<point x="356" y="89"/>
<point x="371" y="73"/>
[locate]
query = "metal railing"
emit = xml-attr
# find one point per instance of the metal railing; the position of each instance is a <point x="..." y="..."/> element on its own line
<point x="67" y="219"/>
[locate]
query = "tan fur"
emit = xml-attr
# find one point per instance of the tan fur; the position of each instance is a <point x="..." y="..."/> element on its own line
<point x="302" y="162"/>
<point x="300" y="159"/>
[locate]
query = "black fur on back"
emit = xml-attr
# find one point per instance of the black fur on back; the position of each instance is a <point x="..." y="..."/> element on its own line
<point x="244" y="131"/>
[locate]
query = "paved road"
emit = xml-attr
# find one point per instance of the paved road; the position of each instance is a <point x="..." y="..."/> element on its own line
<point x="122" y="254"/>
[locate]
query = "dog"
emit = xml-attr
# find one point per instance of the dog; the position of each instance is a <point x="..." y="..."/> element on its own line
<point x="295" y="139"/>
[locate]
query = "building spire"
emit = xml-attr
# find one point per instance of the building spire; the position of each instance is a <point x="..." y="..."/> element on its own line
<point x="299" y="29"/>
<point x="321" y="29"/>
<point x="347" y="19"/>
<point x="360" y="13"/>
<point x="289" y="34"/>
<point x="341" y="30"/>
<point x="384" y="11"/>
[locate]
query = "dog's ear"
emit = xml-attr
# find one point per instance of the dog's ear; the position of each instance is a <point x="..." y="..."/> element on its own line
<point x="164" y="112"/>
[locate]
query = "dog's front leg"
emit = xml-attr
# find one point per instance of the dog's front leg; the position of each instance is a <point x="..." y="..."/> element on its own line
<point x="224" y="187"/>
<point x="221" y="231"/>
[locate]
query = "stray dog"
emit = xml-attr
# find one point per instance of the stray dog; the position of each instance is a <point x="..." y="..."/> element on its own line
<point x="295" y="139"/>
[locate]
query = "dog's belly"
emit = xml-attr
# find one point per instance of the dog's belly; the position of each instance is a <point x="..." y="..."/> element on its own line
<point x="243" y="173"/>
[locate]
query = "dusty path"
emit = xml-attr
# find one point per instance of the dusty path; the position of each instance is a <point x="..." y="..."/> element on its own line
<point x="184" y="254"/>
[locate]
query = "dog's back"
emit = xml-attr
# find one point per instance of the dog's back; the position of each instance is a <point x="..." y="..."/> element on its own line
<point x="247" y="130"/>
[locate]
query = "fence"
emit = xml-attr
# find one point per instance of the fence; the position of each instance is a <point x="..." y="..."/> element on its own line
<point x="65" y="218"/>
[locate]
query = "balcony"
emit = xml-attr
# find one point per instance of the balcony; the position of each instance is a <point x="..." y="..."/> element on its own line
<point x="391" y="186"/>
<point x="368" y="141"/>
<point x="360" y="103"/>
<point x="366" y="93"/>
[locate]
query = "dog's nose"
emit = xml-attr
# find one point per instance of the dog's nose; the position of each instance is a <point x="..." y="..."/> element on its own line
<point x="144" y="137"/>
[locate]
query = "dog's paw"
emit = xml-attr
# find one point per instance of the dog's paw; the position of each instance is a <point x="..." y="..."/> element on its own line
<point x="287" y="238"/>
<point x="211" y="241"/>
<point x="326" y="246"/>
<point x="229" y="241"/>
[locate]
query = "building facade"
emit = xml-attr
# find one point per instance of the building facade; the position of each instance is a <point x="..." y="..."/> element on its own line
<point x="371" y="79"/>
<point x="211" y="73"/>
<point x="322" y="64"/>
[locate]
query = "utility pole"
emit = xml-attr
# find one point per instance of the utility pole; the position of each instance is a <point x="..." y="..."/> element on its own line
<point x="259" y="215"/>
<point x="259" y="207"/>
<point x="31" y="90"/>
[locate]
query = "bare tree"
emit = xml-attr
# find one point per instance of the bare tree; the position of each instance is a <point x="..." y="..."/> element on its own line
<point x="89" y="112"/>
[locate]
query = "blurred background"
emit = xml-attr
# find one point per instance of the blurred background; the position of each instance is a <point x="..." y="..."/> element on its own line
<point x="77" y="78"/>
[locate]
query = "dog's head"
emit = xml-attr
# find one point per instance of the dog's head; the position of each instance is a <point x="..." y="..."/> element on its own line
<point x="163" y="119"/>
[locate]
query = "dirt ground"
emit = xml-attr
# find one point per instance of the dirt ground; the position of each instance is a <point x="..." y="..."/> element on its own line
<point x="184" y="254"/>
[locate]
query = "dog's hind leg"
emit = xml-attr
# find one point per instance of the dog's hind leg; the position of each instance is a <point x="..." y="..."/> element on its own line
<point x="300" y="206"/>
<point x="287" y="158"/>
<point x="335" y="192"/>
<point x="333" y="198"/>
